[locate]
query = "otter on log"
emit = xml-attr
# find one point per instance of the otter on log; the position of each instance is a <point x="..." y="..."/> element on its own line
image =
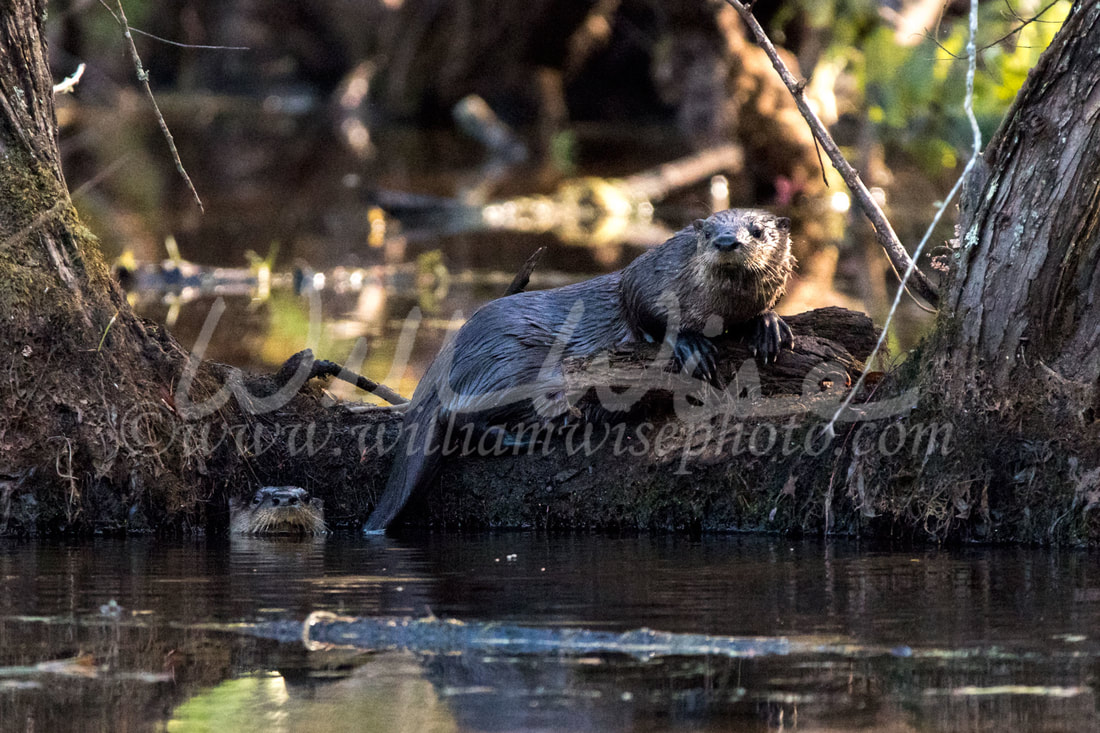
<point x="278" y="510"/>
<point x="504" y="366"/>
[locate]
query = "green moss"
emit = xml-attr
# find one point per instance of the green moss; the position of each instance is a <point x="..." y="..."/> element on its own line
<point x="28" y="188"/>
<point x="29" y="191"/>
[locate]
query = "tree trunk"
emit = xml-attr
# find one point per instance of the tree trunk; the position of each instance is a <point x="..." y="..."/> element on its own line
<point x="1015" y="362"/>
<point x="1012" y="370"/>
<point x="96" y="432"/>
<point x="1023" y="295"/>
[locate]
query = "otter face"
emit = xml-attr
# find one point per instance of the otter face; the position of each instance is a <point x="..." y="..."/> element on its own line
<point x="284" y="496"/>
<point x="278" y="510"/>
<point x="742" y="237"/>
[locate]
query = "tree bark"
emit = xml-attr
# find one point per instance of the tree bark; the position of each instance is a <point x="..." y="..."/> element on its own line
<point x="1015" y="361"/>
<point x="1023" y="295"/>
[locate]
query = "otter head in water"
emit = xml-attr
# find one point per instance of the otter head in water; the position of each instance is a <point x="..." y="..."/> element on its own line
<point x="278" y="510"/>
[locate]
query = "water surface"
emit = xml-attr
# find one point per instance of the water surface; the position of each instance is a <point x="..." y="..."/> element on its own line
<point x="976" y="639"/>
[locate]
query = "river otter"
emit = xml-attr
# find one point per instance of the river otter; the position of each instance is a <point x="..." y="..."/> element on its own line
<point x="278" y="510"/>
<point x="504" y="366"/>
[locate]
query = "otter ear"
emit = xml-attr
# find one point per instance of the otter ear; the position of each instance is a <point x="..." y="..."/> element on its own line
<point x="699" y="224"/>
<point x="783" y="223"/>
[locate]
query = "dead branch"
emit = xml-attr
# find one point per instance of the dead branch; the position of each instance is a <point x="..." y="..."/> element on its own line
<point x="885" y="234"/>
<point x="143" y="77"/>
<point x="324" y="368"/>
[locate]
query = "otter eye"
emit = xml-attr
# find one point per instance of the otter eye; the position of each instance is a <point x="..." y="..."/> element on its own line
<point x="256" y="499"/>
<point x="756" y="230"/>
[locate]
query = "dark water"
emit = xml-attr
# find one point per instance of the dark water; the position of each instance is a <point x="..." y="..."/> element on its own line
<point x="974" y="640"/>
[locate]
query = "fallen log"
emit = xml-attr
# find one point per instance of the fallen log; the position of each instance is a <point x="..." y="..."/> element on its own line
<point x="669" y="461"/>
<point x="680" y="455"/>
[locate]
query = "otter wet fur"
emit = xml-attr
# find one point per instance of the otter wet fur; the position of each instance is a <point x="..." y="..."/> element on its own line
<point x="278" y="510"/>
<point x="504" y="366"/>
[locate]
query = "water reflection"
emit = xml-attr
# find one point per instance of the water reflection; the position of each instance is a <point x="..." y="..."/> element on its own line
<point x="1001" y="639"/>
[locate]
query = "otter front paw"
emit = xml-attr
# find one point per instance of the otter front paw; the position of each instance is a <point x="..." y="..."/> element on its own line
<point x="695" y="352"/>
<point x="769" y="335"/>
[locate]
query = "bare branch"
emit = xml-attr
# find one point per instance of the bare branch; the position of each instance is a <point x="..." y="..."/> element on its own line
<point x="1024" y="22"/>
<point x="69" y="83"/>
<point x="143" y="77"/>
<point x="188" y="45"/>
<point x="899" y="258"/>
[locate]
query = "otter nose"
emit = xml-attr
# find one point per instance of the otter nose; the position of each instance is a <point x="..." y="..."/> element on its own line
<point x="725" y="243"/>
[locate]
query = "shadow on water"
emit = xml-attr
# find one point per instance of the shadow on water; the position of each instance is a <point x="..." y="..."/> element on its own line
<point x="839" y="637"/>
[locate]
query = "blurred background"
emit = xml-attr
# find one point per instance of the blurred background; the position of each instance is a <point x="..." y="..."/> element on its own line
<point x="364" y="160"/>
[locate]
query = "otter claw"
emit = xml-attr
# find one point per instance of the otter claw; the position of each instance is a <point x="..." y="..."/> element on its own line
<point x="696" y="354"/>
<point x="770" y="336"/>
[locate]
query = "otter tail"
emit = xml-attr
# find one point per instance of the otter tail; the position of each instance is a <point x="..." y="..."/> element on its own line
<point x="415" y="464"/>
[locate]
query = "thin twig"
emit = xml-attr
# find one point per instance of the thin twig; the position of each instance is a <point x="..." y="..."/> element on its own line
<point x="899" y="258"/>
<point x="1024" y="22"/>
<point x="968" y="104"/>
<point x="143" y="77"/>
<point x="106" y="331"/>
<point x="188" y="45"/>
